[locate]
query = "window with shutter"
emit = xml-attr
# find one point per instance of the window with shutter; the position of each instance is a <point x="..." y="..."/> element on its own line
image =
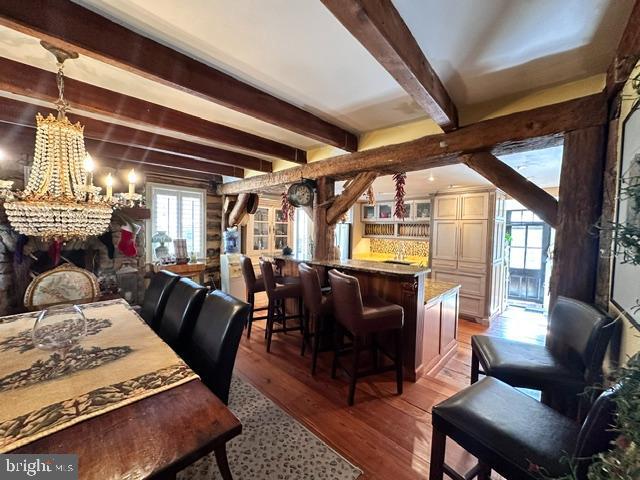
<point x="180" y="212"/>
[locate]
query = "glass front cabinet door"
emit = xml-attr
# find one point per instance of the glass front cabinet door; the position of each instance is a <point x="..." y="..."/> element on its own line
<point x="422" y="210"/>
<point x="260" y="230"/>
<point x="368" y="212"/>
<point x="267" y="231"/>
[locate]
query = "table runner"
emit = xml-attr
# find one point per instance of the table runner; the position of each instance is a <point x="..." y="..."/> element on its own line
<point x="119" y="361"/>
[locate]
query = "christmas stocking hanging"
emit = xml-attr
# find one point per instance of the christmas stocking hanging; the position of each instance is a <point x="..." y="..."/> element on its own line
<point x="127" y="244"/>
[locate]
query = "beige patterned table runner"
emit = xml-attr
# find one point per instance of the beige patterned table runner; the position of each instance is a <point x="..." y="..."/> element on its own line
<point x="119" y="361"/>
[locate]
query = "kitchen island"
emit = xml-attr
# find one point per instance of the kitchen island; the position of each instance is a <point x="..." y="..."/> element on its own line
<point x="404" y="285"/>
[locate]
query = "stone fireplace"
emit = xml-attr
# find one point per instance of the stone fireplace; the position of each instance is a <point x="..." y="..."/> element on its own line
<point x="120" y="274"/>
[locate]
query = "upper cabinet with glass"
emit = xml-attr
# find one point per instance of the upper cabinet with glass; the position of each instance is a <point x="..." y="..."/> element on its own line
<point x="415" y="211"/>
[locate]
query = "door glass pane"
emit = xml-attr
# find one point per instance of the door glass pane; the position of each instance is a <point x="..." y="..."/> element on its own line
<point x="385" y="211"/>
<point x="282" y="229"/>
<point x="517" y="257"/>
<point x="534" y="259"/>
<point x="368" y="211"/>
<point x="260" y="243"/>
<point x="260" y="228"/>
<point x="423" y="210"/>
<point x="534" y="237"/>
<point x="279" y="216"/>
<point x="281" y="242"/>
<point x="261" y="215"/>
<point x="407" y="210"/>
<point x="518" y="236"/>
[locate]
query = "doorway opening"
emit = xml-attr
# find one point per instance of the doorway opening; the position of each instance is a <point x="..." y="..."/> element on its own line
<point x="530" y="240"/>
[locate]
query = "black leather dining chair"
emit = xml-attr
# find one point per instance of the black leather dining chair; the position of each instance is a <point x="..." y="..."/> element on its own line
<point x="213" y="344"/>
<point x="517" y="436"/>
<point x="156" y="296"/>
<point x="570" y="361"/>
<point x="180" y="313"/>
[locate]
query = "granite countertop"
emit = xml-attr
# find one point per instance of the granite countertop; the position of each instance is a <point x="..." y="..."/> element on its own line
<point x="434" y="289"/>
<point x="357" y="265"/>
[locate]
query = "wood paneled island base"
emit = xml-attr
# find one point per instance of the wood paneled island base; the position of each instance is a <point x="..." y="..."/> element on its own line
<point x="403" y="285"/>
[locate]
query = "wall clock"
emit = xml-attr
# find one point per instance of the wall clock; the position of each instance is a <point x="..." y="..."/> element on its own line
<point x="301" y="194"/>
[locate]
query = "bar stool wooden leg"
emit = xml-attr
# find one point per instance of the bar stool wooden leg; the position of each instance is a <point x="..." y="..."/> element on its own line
<point x="304" y="326"/>
<point x="316" y="344"/>
<point x="337" y="343"/>
<point x="398" y="360"/>
<point x="270" y="319"/>
<point x="250" y="301"/>
<point x="354" y="371"/>
<point x="438" y="447"/>
<point x="475" y="367"/>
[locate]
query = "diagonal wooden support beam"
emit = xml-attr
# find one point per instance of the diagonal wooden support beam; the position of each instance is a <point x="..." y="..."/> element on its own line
<point x="511" y="182"/>
<point x="343" y="202"/>
<point x="74" y="27"/>
<point x="21" y="79"/>
<point x="382" y="31"/>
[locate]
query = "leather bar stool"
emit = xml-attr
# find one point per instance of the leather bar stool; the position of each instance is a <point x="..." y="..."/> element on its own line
<point x="254" y="285"/>
<point x="570" y="361"/>
<point x="156" y="296"/>
<point x="277" y="295"/>
<point x="319" y="312"/>
<point x="517" y="436"/>
<point x="361" y="318"/>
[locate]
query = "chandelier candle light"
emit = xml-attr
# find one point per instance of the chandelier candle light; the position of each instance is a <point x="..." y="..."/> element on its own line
<point x="59" y="201"/>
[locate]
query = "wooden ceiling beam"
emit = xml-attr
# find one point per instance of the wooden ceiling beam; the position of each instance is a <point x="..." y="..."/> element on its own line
<point x="21" y="139"/>
<point x="627" y="54"/>
<point x="23" y="113"/>
<point x="382" y="31"/>
<point x="515" y="185"/>
<point x="350" y="195"/>
<point x="73" y="27"/>
<point x="522" y="131"/>
<point x="21" y="79"/>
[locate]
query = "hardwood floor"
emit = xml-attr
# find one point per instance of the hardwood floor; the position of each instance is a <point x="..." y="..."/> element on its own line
<point x="386" y="435"/>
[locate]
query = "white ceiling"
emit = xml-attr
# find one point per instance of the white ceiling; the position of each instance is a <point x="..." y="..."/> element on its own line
<point x="541" y="167"/>
<point x="486" y="49"/>
<point x="297" y="50"/>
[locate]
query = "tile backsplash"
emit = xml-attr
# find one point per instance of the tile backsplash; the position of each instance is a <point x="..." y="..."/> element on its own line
<point x="411" y="247"/>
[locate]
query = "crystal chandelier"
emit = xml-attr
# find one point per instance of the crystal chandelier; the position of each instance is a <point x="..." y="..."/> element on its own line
<point x="59" y="201"/>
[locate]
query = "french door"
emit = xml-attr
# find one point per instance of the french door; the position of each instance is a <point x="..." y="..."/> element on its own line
<point x="530" y="239"/>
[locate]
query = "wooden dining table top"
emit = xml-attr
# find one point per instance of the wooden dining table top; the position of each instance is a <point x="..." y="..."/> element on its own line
<point x="154" y="437"/>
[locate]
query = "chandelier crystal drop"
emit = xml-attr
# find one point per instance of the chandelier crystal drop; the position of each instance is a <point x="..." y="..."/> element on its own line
<point x="59" y="201"/>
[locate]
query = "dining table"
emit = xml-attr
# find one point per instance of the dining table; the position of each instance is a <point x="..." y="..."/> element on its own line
<point x="121" y="399"/>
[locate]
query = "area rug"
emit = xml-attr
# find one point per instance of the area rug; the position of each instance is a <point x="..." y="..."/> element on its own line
<point x="273" y="445"/>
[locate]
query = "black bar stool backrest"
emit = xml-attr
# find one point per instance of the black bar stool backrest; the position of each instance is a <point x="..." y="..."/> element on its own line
<point x="311" y="289"/>
<point x="347" y="300"/>
<point x="578" y="336"/>
<point x="156" y="296"/>
<point x="269" y="277"/>
<point x="248" y="273"/>
<point x="214" y="341"/>
<point x="180" y="313"/>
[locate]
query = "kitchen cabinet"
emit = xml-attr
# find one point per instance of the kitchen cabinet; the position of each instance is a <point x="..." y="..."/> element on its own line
<point x="267" y="230"/>
<point x="467" y="248"/>
<point x="440" y="330"/>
